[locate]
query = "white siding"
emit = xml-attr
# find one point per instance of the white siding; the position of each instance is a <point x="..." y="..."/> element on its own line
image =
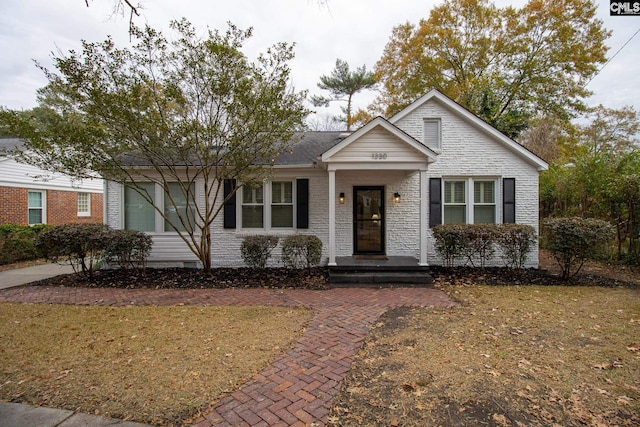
<point x="380" y="141"/>
<point x="14" y="174"/>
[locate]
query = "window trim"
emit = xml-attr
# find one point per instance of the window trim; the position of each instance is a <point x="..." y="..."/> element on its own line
<point x="291" y="204"/>
<point x="158" y="203"/>
<point x="42" y="207"/>
<point x="470" y="196"/>
<point x="254" y="204"/>
<point x="495" y="199"/>
<point x="267" y="214"/>
<point x="87" y="212"/>
<point x="438" y="121"/>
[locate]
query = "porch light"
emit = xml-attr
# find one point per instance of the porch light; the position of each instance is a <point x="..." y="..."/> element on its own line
<point x="341" y="198"/>
<point x="396" y="197"/>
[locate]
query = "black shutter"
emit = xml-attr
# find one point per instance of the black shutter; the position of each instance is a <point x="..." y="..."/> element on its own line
<point x="509" y="200"/>
<point x="435" y="202"/>
<point x="302" y="203"/>
<point x="230" y="205"/>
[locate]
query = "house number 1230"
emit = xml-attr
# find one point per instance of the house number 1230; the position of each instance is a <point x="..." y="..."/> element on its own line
<point x="379" y="156"/>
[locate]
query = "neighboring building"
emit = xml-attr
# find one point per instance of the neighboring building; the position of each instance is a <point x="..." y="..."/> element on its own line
<point x="376" y="191"/>
<point x="29" y="195"/>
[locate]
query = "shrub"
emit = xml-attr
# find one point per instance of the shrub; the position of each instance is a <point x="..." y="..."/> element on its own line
<point x="17" y="243"/>
<point x="515" y="242"/>
<point x="256" y="250"/>
<point x="479" y="242"/>
<point x="128" y="248"/>
<point x="573" y="240"/>
<point x="79" y="244"/>
<point x="301" y="251"/>
<point x="450" y="242"/>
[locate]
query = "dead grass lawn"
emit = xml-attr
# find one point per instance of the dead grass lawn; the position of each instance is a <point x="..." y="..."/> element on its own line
<point x="158" y="365"/>
<point x="509" y="356"/>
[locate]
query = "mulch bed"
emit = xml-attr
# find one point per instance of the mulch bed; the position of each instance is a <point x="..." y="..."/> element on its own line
<point x="189" y="278"/>
<point x="317" y="278"/>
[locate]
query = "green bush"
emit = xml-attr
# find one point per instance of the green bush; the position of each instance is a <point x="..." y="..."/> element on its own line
<point x="127" y="248"/>
<point x="515" y="241"/>
<point x="574" y="240"/>
<point x="479" y="242"/>
<point x="17" y="243"/>
<point x="81" y="245"/>
<point x="256" y="250"/>
<point x="301" y="251"/>
<point x="450" y="242"/>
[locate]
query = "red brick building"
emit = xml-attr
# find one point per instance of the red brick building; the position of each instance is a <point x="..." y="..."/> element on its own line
<point x="29" y="195"/>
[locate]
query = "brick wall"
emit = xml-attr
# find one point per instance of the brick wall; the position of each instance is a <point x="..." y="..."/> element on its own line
<point x="61" y="207"/>
<point x="13" y="205"/>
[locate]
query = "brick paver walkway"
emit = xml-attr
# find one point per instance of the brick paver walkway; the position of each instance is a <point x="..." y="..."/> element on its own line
<point x="298" y="388"/>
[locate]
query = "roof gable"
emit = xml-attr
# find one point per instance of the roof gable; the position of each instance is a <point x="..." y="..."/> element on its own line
<point x="375" y="138"/>
<point x="469" y="117"/>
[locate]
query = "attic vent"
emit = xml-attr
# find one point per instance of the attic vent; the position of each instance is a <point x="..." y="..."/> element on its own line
<point x="432" y="134"/>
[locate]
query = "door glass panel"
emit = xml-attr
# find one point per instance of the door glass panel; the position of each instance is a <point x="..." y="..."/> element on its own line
<point x="369" y="220"/>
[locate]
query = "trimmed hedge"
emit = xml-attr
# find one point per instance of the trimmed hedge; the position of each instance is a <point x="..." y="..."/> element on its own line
<point x="85" y="246"/>
<point x="301" y="251"/>
<point x="478" y="243"/>
<point x="18" y="243"/>
<point x="256" y="250"/>
<point x="128" y="248"/>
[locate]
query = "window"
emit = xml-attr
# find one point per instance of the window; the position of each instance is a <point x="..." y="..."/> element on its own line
<point x="84" y="204"/>
<point x="252" y="206"/>
<point x="178" y="207"/>
<point x="484" y="202"/>
<point x="35" y="206"/>
<point x="460" y="206"/>
<point x="139" y="214"/>
<point x="455" y="202"/>
<point x="282" y="204"/>
<point x="432" y="133"/>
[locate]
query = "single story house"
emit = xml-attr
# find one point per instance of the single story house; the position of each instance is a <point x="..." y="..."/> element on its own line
<point x="376" y="191"/>
<point x="30" y="195"/>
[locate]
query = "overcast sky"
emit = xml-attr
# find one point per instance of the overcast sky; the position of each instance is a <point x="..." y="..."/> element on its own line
<point x="353" y="30"/>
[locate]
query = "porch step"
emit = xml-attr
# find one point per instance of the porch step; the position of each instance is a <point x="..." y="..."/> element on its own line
<point x="340" y="279"/>
<point x="362" y="272"/>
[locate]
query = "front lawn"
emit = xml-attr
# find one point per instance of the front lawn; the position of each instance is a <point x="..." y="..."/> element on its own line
<point x="509" y="356"/>
<point x="159" y="365"/>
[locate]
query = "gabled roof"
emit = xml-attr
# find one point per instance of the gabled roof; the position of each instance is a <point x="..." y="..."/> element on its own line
<point x="467" y="115"/>
<point x="386" y="125"/>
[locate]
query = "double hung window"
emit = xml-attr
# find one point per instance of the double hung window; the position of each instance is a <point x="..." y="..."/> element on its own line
<point x="464" y="206"/>
<point x="35" y="207"/>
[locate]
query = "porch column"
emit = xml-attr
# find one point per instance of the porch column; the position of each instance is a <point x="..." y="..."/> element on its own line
<point x="332" y="217"/>
<point x="424" y="224"/>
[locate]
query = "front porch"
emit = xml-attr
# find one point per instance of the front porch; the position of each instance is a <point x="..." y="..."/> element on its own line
<point x="378" y="271"/>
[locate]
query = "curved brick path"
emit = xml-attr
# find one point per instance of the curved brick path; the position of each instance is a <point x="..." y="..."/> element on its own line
<point x="298" y="388"/>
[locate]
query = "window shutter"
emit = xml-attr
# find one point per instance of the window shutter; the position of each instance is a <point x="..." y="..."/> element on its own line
<point x="230" y="205"/>
<point x="302" y="203"/>
<point x="509" y="200"/>
<point x="435" y="202"/>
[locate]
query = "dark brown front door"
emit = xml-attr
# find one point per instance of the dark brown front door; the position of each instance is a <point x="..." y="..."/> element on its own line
<point x="368" y="220"/>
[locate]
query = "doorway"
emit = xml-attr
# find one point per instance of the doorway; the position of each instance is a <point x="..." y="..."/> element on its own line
<point x="368" y="220"/>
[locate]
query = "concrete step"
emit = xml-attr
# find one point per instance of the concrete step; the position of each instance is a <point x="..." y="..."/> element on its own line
<point x="375" y="278"/>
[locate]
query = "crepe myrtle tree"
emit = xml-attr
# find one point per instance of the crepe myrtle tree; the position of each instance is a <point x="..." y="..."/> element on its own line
<point x="183" y="113"/>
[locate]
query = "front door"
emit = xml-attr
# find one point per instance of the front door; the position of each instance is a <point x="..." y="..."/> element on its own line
<point x="368" y="220"/>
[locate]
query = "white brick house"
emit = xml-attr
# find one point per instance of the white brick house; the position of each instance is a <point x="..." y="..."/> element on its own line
<point x="376" y="191"/>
